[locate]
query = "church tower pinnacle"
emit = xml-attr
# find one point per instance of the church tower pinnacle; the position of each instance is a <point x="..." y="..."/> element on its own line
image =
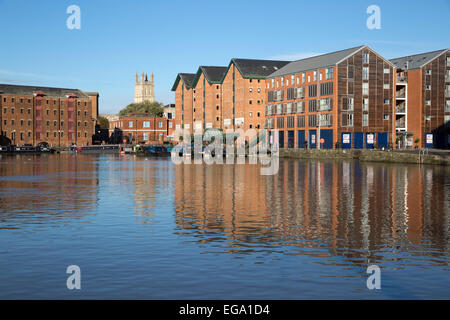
<point x="144" y="89"/>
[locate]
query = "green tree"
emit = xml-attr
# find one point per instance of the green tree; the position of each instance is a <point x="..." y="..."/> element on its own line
<point x="152" y="108"/>
<point x="104" y="123"/>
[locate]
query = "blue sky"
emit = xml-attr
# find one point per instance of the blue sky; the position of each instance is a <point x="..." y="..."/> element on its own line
<point x="118" y="38"/>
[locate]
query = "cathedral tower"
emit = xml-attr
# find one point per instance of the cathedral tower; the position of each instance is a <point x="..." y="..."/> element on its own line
<point x="144" y="90"/>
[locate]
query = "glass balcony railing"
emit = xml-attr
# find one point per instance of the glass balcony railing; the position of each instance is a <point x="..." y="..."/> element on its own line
<point x="401" y="108"/>
<point x="400" y="123"/>
<point x="400" y="94"/>
<point x="402" y="79"/>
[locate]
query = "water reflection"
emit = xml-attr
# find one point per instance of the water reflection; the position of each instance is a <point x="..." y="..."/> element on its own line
<point x="46" y="189"/>
<point x="363" y="212"/>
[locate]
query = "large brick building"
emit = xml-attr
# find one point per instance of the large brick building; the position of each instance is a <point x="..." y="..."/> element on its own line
<point x="244" y="92"/>
<point x="58" y="116"/>
<point x="207" y="97"/>
<point x="423" y="99"/>
<point x="142" y="128"/>
<point x="341" y="98"/>
<point x="184" y="100"/>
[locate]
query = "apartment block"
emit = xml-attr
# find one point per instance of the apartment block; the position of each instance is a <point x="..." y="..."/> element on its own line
<point x="341" y="99"/>
<point x="184" y="100"/>
<point x="244" y="92"/>
<point x="58" y="116"/>
<point x="207" y="101"/>
<point x="422" y="100"/>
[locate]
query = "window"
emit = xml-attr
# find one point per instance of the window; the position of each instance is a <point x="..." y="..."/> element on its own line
<point x="386" y="86"/>
<point x="447" y="106"/>
<point x="365" y="119"/>
<point x="312" y="90"/>
<point x="329" y="73"/>
<point x="350" y="87"/>
<point x="145" y="136"/>
<point x="130" y="124"/>
<point x="347" y="104"/>
<point x="62" y="112"/>
<point x="282" y="81"/>
<point x="365" y="106"/>
<point x="170" y="124"/>
<point x="448" y="61"/>
<point x="350" y="71"/>
<point x="298" y="80"/>
<point x="447" y="120"/>
<point x="385" y="117"/>
<point x="287" y="82"/>
<point x="326" y="104"/>
<point x="312" y="105"/>
<point x="428" y="87"/>
<point x="387" y="70"/>
<point x="428" y="102"/>
<point x="320" y="76"/>
<point x="300" y="93"/>
<point x="21" y="110"/>
<point x="250" y="89"/>
<point x="292" y="79"/>
<point x="347" y="119"/>
<point x="365" y="73"/>
<point x="273" y="82"/>
<point x="365" y="88"/>
<point x="300" y="107"/>
<point x="250" y="101"/>
<point x="303" y="78"/>
<point x="250" y="114"/>
<point x="326" y="120"/>
<point x="290" y="93"/>
<point x="160" y="124"/>
<point x="258" y="114"/>
<point x="280" y="122"/>
<point x="447" y="90"/>
<point x="326" y="88"/>
<point x="428" y="72"/>
<point x="315" y="76"/>
<point x="146" y="124"/>
<point x="365" y="58"/>
<point x="312" y="120"/>
<point x="386" y="101"/>
<point x="290" y="122"/>
<point x="259" y="90"/>
<point x="289" y="108"/>
<point x="29" y="111"/>
<point x="300" y="121"/>
<point x="12" y="110"/>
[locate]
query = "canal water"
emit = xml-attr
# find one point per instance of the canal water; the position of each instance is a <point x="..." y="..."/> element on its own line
<point x="144" y="228"/>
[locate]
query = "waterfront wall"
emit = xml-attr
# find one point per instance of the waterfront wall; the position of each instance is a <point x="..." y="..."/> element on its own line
<point x="367" y="155"/>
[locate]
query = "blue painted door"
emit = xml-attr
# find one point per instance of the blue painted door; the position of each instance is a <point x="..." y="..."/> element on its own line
<point x="301" y="139"/>
<point x="359" y="140"/>
<point x="312" y="139"/>
<point x="383" y="140"/>
<point x="370" y="140"/>
<point x="290" y="139"/>
<point x="327" y="136"/>
<point x="346" y="140"/>
<point x="281" y="139"/>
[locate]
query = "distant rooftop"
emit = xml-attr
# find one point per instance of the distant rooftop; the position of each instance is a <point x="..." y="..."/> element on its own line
<point x="213" y="74"/>
<point x="416" y="61"/>
<point x="252" y="68"/>
<point x="187" y="79"/>
<point x="20" y="90"/>
<point x="316" y="62"/>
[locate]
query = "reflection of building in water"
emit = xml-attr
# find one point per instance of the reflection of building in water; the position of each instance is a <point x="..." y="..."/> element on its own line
<point x="354" y="208"/>
<point x="37" y="187"/>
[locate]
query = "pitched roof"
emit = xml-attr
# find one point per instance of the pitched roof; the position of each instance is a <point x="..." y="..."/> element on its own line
<point x="20" y="90"/>
<point x="316" y="62"/>
<point x="213" y="74"/>
<point x="187" y="79"/>
<point x="416" y="61"/>
<point x="252" y="68"/>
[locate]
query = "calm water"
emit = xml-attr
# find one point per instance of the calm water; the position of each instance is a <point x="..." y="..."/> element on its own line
<point x="147" y="229"/>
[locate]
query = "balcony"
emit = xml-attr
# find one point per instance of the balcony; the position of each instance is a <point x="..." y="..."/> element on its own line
<point x="401" y="108"/>
<point x="402" y="79"/>
<point x="400" y="123"/>
<point x="400" y="94"/>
